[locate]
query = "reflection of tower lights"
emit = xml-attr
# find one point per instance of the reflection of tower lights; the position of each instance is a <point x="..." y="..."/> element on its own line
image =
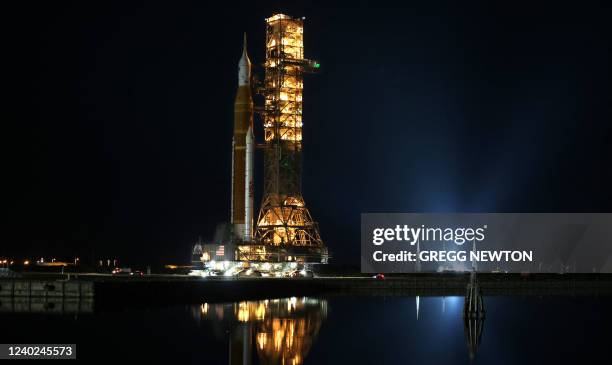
<point x="250" y="311"/>
<point x="260" y="313"/>
<point x="291" y="303"/>
<point x="283" y="329"/>
<point x="243" y="312"/>
<point x="278" y="334"/>
<point x="262" y="339"/>
<point x="290" y="334"/>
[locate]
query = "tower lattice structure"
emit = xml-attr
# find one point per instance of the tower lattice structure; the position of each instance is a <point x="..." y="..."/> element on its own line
<point x="283" y="218"/>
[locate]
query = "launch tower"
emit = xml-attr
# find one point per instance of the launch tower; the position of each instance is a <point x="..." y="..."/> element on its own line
<point x="285" y="240"/>
<point x="283" y="218"/>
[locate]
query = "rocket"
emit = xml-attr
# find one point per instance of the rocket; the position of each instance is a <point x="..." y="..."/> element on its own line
<point x="242" y="152"/>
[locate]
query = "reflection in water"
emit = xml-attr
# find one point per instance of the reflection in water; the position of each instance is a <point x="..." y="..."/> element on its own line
<point x="282" y="330"/>
<point x="473" y="315"/>
<point x="473" y="333"/>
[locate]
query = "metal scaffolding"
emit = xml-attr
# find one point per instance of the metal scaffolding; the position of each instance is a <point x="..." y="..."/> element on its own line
<point x="284" y="219"/>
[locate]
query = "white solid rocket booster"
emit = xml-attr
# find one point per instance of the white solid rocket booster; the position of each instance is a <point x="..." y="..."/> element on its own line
<point x="248" y="186"/>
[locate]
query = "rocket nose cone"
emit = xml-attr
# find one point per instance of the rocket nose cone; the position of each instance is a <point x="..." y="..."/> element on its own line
<point x="244" y="66"/>
<point x="245" y="53"/>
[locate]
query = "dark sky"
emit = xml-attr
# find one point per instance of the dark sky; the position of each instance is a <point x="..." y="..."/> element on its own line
<point x="123" y="139"/>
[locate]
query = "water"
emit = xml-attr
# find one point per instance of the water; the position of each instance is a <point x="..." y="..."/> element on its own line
<point x="337" y="330"/>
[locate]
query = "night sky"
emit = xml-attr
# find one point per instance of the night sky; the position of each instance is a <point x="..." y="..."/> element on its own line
<point x="124" y="111"/>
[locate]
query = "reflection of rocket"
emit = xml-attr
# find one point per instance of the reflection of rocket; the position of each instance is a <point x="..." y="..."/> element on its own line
<point x="242" y="152"/>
